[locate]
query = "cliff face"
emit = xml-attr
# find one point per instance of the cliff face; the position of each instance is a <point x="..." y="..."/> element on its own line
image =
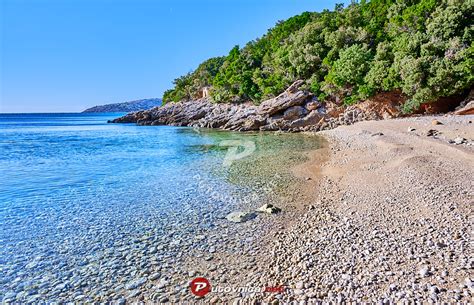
<point x="293" y="110"/>
<point x="137" y="105"/>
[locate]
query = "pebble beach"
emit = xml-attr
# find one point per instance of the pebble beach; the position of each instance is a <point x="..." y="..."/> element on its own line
<point x="390" y="221"/>
<point x="379" y="211"/>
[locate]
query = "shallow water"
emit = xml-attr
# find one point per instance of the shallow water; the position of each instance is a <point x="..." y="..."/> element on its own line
<point x="79" y="196"/>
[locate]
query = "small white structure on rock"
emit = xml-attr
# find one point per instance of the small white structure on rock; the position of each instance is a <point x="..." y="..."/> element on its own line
<point x="205" y="92"/>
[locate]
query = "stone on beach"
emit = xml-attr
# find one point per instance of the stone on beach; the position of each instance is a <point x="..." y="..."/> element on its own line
<point x="424" y="272"/>
<point x="269" y="209"/>
<point x="459" y="140"/>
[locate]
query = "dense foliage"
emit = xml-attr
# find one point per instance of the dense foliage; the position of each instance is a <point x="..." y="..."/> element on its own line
<point x="422" y="47"/>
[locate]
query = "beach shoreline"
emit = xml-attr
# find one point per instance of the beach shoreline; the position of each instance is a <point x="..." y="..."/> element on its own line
<point x="375" y="211"/>
<point x="390" y="221"/>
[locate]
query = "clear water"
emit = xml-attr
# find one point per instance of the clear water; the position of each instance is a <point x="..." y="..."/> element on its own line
<point x="75" y="189"/>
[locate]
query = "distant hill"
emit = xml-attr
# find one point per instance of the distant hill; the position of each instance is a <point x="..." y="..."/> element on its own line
<point x="137" y="105"/>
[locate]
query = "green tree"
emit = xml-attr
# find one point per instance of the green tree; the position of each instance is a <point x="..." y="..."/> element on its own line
<point x="422" y="47"/>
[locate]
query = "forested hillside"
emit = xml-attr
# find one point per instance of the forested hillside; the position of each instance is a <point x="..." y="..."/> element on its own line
<point x="137" y="105"/>
<point x="424" y="48"/>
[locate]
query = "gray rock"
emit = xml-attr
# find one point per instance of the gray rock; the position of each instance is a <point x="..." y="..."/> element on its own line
<point x="162" y="284"/>
<point x="434" y="290"/>
<point x="154" y="276"/>
<point x="469" y="283"/>
<point x="61" y="286"/>
<point x="294" y="113"/>
<point x="424" y="272"/>
<point x="269" y="209"/>
<point x="240" y="216"/>
<point x="459" y="141"/>
<point x="312" y="118"/>
<point x="282" y="102"/>
<point x="9" y="296"/>
<point x="313" y="104"/>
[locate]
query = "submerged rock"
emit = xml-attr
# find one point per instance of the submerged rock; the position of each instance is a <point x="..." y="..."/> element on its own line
<point x="240" y="216"/>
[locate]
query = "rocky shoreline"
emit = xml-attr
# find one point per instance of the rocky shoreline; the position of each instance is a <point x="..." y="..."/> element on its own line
<point x="391" y="222"/>
<point x="386" y="219"/>
<point x="294" y="110"/>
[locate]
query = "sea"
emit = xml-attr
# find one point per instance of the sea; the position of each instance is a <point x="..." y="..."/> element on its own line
<point x="78" y="197"/>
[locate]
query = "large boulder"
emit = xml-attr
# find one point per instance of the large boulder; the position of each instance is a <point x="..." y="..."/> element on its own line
<point x="313" y="118"/>
<point x="275" y="124"/>
<point x="294" y="113"/>
<point x="243" y="117"/>
<point x="253" y="123"/>
<point x="290" y="97"/>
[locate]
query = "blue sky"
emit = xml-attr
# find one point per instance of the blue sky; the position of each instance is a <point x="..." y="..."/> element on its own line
<point x="67" y="55"/>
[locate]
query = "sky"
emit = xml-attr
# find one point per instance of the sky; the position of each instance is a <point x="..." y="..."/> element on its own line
<point x="68" y="55"/>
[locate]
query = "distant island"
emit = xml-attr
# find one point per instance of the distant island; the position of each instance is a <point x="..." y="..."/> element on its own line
<point x="137" y="105"/>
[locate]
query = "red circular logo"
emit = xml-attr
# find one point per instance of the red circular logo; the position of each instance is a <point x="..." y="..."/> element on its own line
<point x="200" y="286"/>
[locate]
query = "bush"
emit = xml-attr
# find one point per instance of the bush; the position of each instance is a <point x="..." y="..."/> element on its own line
<point x="422" y="47"/>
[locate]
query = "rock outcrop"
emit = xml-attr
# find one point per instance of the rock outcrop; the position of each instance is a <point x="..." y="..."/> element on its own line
<point x="293" y="110"/>
<point x="466" y="110"/>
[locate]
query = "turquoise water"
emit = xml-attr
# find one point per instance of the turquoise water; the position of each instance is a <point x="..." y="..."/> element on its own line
<point x="78" y="195"/>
